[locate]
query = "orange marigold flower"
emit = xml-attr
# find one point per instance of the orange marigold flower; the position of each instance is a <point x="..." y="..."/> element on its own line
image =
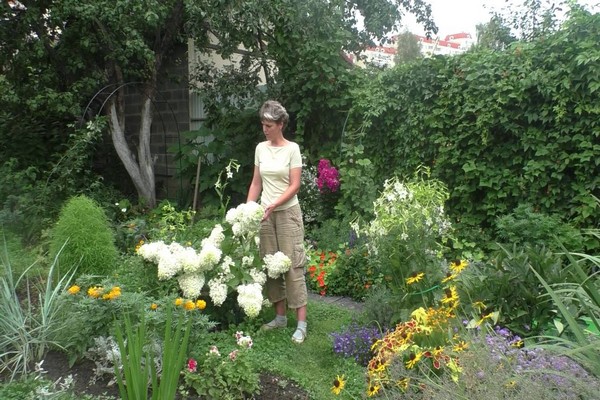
<point x="189" y="305"/>
<point x="95" y="292"/>
<point x="200" y="304"/>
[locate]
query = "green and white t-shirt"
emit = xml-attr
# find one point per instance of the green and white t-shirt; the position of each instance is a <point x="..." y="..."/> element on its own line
<point x="274" y="164"/>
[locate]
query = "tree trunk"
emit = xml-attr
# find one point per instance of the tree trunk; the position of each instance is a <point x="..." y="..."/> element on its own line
<point x="141" y="170"/>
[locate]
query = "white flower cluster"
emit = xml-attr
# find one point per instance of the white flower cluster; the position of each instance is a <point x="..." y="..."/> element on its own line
<point x="245" y="218"/>
<point x="243" y="341"/>
<point x="277" y="264"/>
<point x="209" y="265"/>
<point x="250" y="298"/>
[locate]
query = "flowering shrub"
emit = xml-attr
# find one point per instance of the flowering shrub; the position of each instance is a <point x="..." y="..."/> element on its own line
<point x="420" y="346"/>
<point x="215" y="376"/>
<point x="226" y="262"/>
<point x="320" y="265"/>
<point x="406" y="238"/>
<point x="328" y="177"/>
<point x="355" y="342"/>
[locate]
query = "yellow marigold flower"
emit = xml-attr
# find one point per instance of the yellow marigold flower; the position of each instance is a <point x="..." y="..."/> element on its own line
<point x="106" y="296"/>
<point x="200" y="304"/>
<point x="338" y="385"/>
<point x="458" y="265"/>
<point x="153" y="306"/>
<point x="74" y="289"/>
<point x="95" y="292"/>
<point x="415" y="277"/>
<point x="178" y="301"/>
<point x="413" y="359"/>
<point x="189" y="305"/>
<point x="373" y="390"/>
<point x="460" y="346"/>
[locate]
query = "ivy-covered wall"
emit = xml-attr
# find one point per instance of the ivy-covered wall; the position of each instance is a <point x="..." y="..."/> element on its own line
<point x="500" y="128"/>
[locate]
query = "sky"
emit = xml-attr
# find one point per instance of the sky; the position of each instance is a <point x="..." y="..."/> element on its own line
<point x="454" y="16"/>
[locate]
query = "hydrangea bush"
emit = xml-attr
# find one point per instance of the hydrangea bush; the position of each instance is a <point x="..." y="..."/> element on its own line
<point x="226" y="262"/>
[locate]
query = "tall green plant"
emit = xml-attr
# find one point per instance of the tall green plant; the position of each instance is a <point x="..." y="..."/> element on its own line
<point x="30" y="320"/>
<point x="584" y="292"/>
<point x="138" y="360"/>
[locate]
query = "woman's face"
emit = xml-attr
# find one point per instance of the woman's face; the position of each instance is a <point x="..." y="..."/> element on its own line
<point x="272" y="129"/>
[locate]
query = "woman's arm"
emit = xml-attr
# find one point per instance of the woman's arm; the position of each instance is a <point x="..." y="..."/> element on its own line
<point x="255" y="186"/>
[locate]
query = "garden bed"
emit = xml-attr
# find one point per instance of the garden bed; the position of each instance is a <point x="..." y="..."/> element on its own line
<point x="57" y="367"/>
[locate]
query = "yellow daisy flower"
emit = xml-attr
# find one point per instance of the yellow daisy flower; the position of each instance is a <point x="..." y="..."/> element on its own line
<point x="413" y="359"/>
<point x="178" y="301"/>
<point x="458" y="265"/>
<point x="373" y="390"/>
<point x="153" y="306"/>
<point x="338" y="385"/>
<point x="415" y="277"/>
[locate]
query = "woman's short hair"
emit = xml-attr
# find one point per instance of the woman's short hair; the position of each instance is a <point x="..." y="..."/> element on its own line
<point x="273" y="111"/>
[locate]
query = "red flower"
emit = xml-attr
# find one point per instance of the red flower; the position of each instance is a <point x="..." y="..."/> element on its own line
<point x="192" y="365"/>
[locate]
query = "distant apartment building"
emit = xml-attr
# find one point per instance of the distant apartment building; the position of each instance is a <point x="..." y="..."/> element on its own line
<point x="383" y="56"/>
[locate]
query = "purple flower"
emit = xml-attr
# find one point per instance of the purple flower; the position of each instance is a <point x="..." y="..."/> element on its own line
<point x="355" y="342"/>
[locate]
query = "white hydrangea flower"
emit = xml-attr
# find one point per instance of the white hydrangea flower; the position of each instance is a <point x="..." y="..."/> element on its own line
<point x="250" y="298"/>
<point x="209" y="256"/>
<point x="226" y="265"/>
<point x="168" y="267"/>
<point x="245" y="218"/>
<point x="258" y="276"/>
<point x="216" y="235"/>
<point x="152" y="251"/>
<point x="277" y="264"/>
<point x="188" y="259"/>
<point x="191" y="285"/>
<point x="217" y="291"/>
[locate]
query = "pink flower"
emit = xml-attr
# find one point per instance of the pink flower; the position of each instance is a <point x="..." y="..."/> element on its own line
<point x="328" y="177"/>
<point x="214" y="350"/>
<point x="233" y="355"/>
<point x="192" y="365"/>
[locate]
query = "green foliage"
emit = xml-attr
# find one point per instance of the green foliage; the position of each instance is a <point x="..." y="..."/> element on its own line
<point x="509" y="286"/>
<point x="578" y="297"/>
<point x="84" y="231"/>
<point x="218" y="376"/>
<point x="355" y="274"/>
<point x="138" y="371"/>
<point x="524" y="226"/>
<point x="357" y="182"/>
<point x="408" y="48"/>
<point x="498" y="128"/>
<point x="29" y="325"/>
<point x="407" y="236"/>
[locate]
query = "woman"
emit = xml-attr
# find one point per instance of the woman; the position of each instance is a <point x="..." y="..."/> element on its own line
<point x="277" y="171"/>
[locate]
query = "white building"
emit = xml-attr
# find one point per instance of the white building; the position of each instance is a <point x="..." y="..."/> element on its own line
<point x="383" y="56"/>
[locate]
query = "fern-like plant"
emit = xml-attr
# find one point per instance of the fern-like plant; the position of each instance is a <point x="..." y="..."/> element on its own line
<point x="85" y="232"/>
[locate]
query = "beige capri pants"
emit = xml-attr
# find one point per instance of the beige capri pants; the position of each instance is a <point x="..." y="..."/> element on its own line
<point x="284" y="231"/>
